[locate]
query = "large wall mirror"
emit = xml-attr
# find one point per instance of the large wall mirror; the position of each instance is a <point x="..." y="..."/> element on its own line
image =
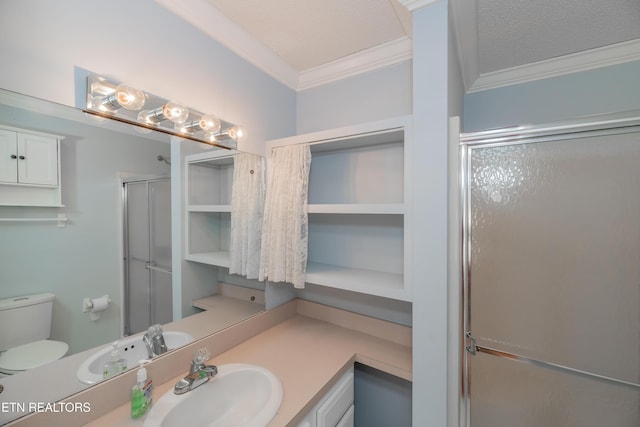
<point x="119" y="191"/>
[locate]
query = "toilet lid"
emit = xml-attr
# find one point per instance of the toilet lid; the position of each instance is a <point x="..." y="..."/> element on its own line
<point x="32" y="355"/>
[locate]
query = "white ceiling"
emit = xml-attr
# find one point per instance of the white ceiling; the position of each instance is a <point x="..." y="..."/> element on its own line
<point x="311" y="42"/>
<point x="516" y="32"/>
<point x="307" y="34"/>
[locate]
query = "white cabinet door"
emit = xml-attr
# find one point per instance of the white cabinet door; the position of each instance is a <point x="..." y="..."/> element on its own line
<point x="337" y="402"/>
<point x="335" y="408"/>
<point x="8" y="156"/>
<point x="37" y="160"/>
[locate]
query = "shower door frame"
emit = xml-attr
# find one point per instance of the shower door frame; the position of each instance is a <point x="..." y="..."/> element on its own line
<point x="582" y="127"/>
<point x="125" y="239"/>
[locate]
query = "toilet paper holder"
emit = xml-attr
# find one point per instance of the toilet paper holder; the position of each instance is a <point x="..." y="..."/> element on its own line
<point x="95" y="305"/>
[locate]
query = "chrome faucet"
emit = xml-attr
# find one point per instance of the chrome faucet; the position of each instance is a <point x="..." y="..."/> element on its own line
<point x="199" y="373"/>
<point x="154" y="341"/>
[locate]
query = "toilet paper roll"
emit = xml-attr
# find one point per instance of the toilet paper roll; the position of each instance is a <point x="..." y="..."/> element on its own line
<point x="100" y="304"/>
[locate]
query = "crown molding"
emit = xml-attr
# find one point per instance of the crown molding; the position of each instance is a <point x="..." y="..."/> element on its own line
<point x="581" y="61"/>
<point x="207" y="18"/>
<point x="412" y="5"/>
<point x="367" y="60"/>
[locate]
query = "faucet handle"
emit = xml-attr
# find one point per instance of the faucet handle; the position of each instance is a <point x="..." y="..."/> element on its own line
<point x="202" y="355"/>
<point x="154" y="330"/>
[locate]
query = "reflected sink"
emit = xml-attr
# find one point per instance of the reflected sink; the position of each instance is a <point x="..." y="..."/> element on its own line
<point x="132" y="350"/>
<point x="240" y="395"/>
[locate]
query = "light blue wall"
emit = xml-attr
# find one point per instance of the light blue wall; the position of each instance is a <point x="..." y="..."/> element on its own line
<point x="375" y="95"/>
<point x="603" y="90"/>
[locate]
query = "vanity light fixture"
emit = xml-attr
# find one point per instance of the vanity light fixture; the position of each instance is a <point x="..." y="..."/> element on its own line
<point x="122" y="102"/>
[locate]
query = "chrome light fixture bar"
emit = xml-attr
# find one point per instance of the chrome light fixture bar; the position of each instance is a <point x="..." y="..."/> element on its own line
<point x="124" y="103"/>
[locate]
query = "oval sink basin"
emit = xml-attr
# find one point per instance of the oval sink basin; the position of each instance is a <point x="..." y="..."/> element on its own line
<point x="132" y="350"/>
<point x="239" y="395"/>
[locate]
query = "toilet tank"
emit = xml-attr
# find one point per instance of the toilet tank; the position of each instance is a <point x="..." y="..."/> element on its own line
<point x="25" y="319"/>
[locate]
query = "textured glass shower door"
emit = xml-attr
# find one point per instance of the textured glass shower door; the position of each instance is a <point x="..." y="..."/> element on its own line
<point x="552" y="281"/>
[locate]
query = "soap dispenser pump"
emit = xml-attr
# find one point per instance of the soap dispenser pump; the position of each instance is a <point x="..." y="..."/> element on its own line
<point x="116" y="364"/>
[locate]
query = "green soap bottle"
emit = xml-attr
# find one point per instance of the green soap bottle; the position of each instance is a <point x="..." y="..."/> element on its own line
<point x="141" y="393"/>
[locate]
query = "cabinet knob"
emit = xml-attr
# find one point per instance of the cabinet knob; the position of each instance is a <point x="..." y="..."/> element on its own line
<point x="21" y="157"/>
<point x="13" y="156"/>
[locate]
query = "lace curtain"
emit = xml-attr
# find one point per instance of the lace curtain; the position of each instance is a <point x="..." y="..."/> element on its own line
<point x="284" y="234"/>
<point x="247" y="209"/>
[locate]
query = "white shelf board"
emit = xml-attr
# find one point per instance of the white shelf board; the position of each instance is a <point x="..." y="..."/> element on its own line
<point x="371" y="282"/>
<point x="389" y="136"/>
<point x="357" y="208"/>
<point x="219" y="258"/>
<point x="209" y="208"/>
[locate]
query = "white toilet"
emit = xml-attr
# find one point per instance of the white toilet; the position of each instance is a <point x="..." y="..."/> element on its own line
<point x="25" y="325"/>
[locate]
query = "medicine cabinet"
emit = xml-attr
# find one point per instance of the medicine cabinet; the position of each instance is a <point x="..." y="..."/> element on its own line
<point x="29" y="168"/>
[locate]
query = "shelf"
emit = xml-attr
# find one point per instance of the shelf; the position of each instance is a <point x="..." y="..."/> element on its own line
<point x="219" y="258"/>
<point x="387" y="285"/>
<point x="359" y="199"/>
<point x="209" y="208"/>
<point x="357" y="208"/>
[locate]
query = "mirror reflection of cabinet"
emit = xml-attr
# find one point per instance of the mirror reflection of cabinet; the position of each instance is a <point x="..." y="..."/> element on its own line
<point x="358" y="206"/>
<point x="29" y="168"/>
<point x="208" y="211"/>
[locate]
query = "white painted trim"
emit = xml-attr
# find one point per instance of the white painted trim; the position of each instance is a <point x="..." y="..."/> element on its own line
<point x="454" y="238"/>
<point x="208" y="19"/>
<point x="367" y="60"/>
<point x="416" y="4"/>
<point x="580" y="61"/>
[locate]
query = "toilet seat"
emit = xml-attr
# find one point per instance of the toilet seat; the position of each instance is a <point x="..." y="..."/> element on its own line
<point x="31" y="355"/>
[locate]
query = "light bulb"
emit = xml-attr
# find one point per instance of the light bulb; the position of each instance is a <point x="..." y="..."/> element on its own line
<point x="209" y="123"/>
<point x="129" y="97"/>
<point x="170" y="111"/>
<point x="124" y="96"/>
<point x="175" y="112"/>
<point x="237" y="132"/>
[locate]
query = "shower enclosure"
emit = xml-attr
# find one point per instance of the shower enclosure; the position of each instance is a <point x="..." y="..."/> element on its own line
<point x="551" y="268"/>
<point x="147" y="239"/>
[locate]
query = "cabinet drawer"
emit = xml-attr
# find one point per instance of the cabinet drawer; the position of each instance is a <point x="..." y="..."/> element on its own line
<point x="337" y="403"/>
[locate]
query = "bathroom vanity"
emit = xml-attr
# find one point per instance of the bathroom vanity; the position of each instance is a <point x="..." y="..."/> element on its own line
<point x="308" y="346"/>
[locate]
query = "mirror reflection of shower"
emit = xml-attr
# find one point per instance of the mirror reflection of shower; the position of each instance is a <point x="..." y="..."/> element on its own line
<point x="147" y="252"/>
